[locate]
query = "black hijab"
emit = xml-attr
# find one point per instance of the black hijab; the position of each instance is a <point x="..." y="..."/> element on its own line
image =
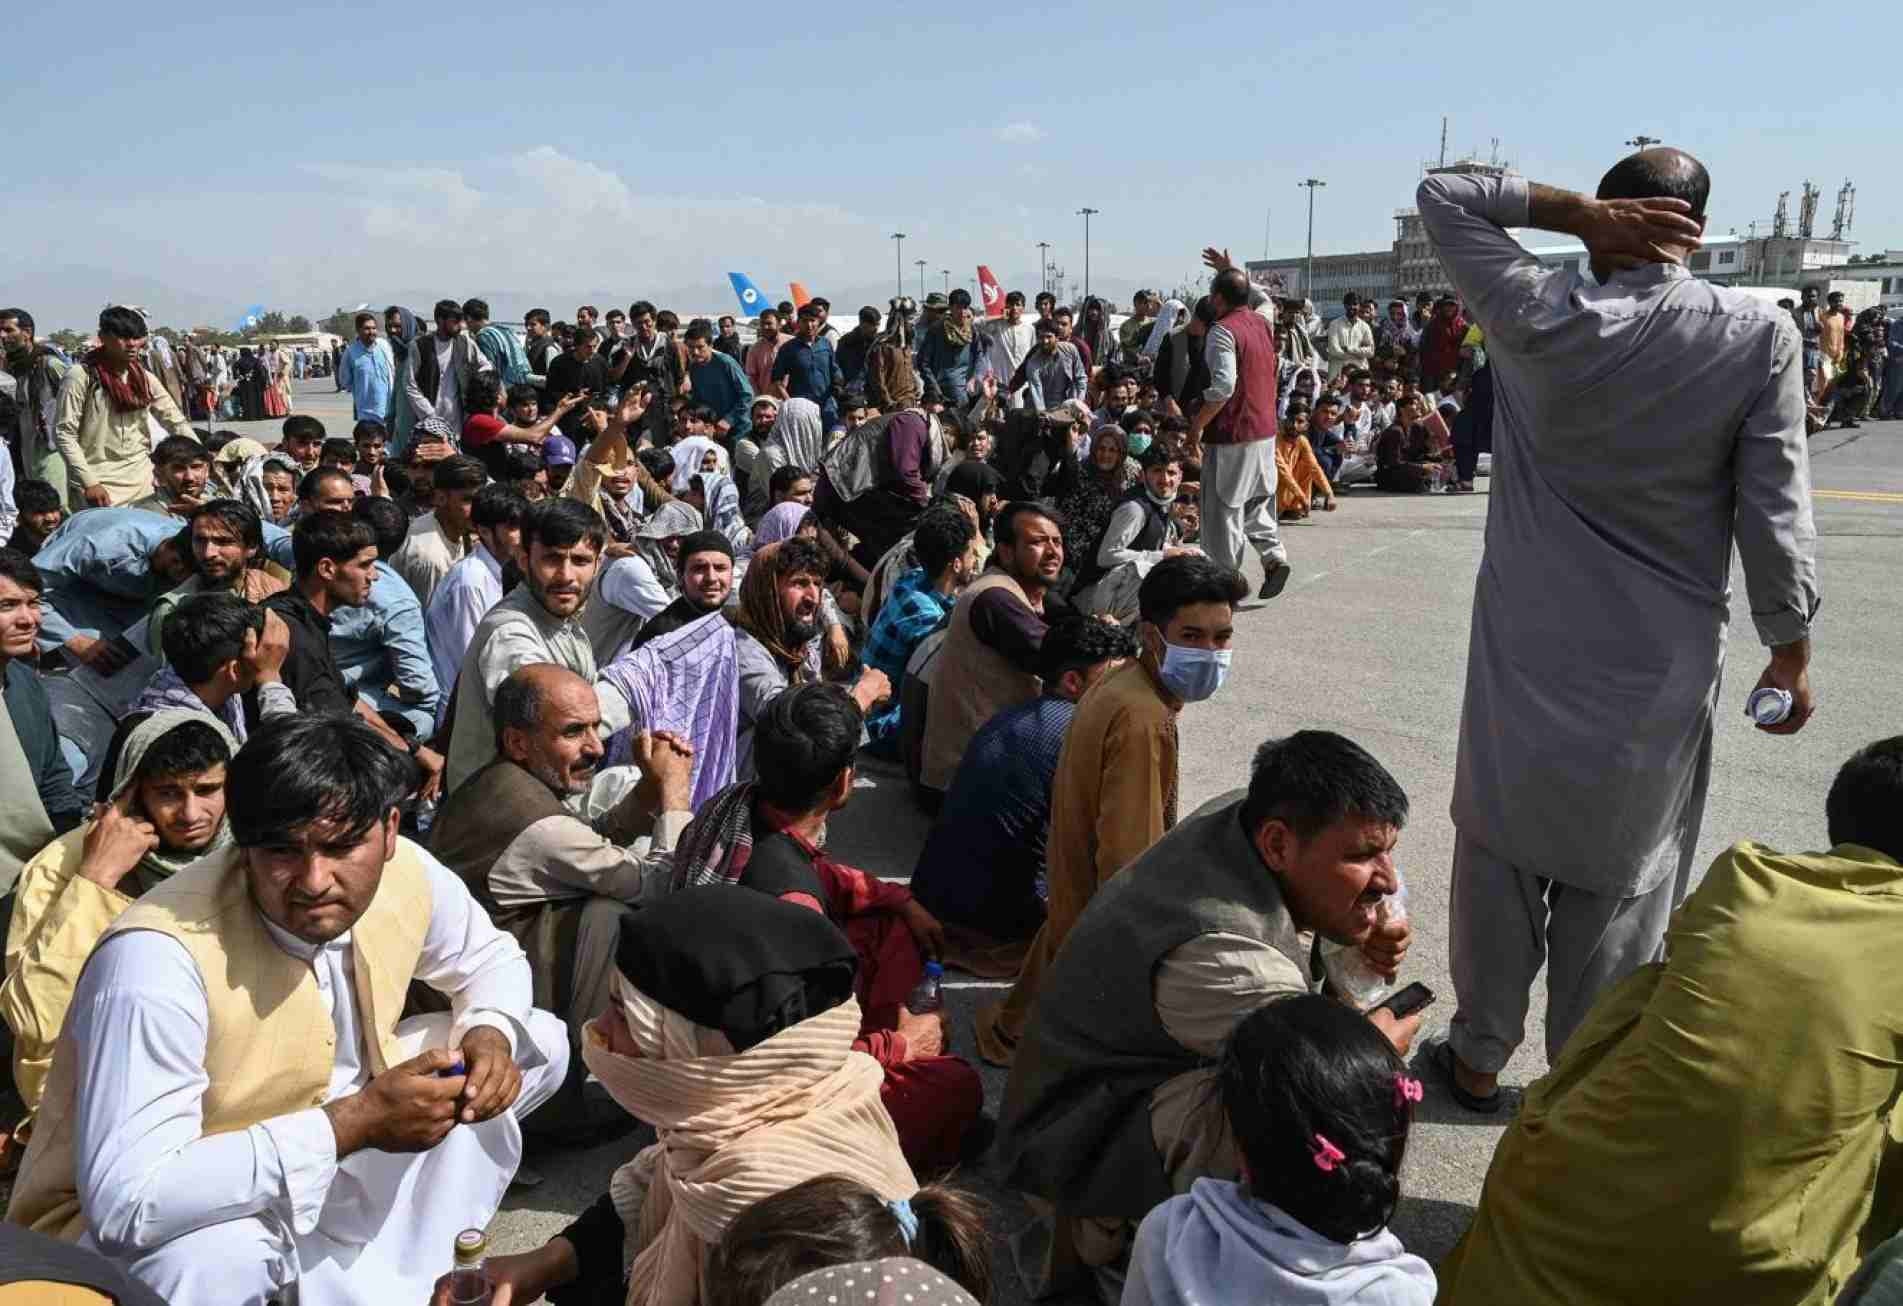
<point x="745" y="964"/>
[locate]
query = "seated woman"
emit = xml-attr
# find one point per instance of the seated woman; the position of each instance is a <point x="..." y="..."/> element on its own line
<point x="766" y="835"/>
<point x="731" y="1032"/>
<point x="1406" y="459"/>
<point x="1299" y="478"/>
<point x="1723" y="1127"/>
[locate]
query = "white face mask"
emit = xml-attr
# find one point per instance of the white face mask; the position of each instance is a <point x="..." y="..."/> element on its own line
<point x="1193" y="674"/>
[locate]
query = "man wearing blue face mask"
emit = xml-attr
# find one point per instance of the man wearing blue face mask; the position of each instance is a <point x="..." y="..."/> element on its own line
<point x="1115" y="790"/>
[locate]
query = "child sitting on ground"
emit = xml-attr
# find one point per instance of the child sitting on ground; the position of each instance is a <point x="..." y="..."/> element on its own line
<point x="1319" y="1105"/>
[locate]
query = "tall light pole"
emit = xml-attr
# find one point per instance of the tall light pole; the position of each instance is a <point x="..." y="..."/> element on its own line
<point x="946" y="273"/>
<point x="898" y="257"/>
<point x="1308" y="272"/>
<point x="1043" y="266"/>
<point x="1640" y="142"/>
<point x="1086" y="214"/>
<point x="920" y="264"/>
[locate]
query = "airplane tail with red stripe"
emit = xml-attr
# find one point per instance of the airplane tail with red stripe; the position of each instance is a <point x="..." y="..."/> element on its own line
<point x="992" y="292"/>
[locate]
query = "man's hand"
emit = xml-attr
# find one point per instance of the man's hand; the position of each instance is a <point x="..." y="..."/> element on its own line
<point x="1182" y="551"/>
<point x="615" y="550"/>
<point x="1400" y="1030"/>
<point x="634" y="405"/>
<point x="1217" y="260"/>
<point x="264" y="655"/>
<point x="925" y="927"/>
<point x="571" y="401"/>
<point x="1790" y="671"/>
<point x="117" y="841"/>
<point x="1632" y="233"/>
<point x="431" y="763"/>
<point x="1386" y="947"/>
<point x="924" y="1035"/>
<point x="723" y="427"/>
<point x="102" y="655"/>
<point x="379" y="482"/>
<point x="668" y="761"/>
<point x="408" y="1108"/>
<point x="98" y="496"/>
<point x="522" y="1278"/>
<point x="492" y="1083"/>
<point x="185" y="505"/>
<point x="873" y="688"/>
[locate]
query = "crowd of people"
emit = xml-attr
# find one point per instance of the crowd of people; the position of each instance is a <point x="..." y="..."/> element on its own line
<point x="382" y="806"/>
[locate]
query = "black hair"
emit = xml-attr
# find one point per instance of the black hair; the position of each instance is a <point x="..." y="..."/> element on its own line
<point x="658" y="462"/>
<point x="386" y="519"/>
<point x="179" y="449"/>
<point x="773" y="313"/>
<point x="458" y="472"/>
<point x="1015" y="297"/>
<point x="1047" y="326"/>
<point x="297" y="770"/>
<point x="784" y="309"/>
<point x="868" y="316"/>
<point x="667" y="320"/>
<point x="834" y="1220"/>
<point x="35" y="495"/>
<point x="705" y="413"/>
<point x="522" y="393"/>
<point x="122" y="323"/>
<point x="822" y="301"/>
<point x="1205" y="310"/>
<point x="1161" y="453"/>
<point x="1233" y="285"/>
<point x="514" y="462"/>
<point x="518" y="704"/>
<point x="484" y="393"/>
<point x="1078" y="643"/>
<point x="785" y="478"/>
<point x="21" y="318"/>
<point x="498" y="505"/>
<point x="312" y="483"/>
<point x="302" y="426"/>
<point x="1866" y="799"/>
<point x="361" y="318"/>
<point x="1314" y="778"/>
<point x="562" y="523"/>
<point x="476" y="308"/>
<point x="186" y="749"/>
<point x="699" y="329"/>
<point x="447" y="308"/>
<point x="1175" y="583"/>
<point x="959" y="298"/>
<point x="206" y="631"/>
<point x="240" y="518"/>
<point x="802" y="742"/>
<point x="536" y="315"/>
<point x="809" y="311"/>
<point x="940" y="537"/>
<point x="1063" y="310"/>
<point x="18" y="568"/>
<point x="335" y="446"/>
<point x="589" y="309"/>
<point x="1305" y="1074"/>
<point x="641" y="306"/>
<point x="1659" y="174"/>
<point x="368" y="428"/>
<point x="1004" y="526"/>
<point x="1131" y="416"/>
<point x="336" y="536"/>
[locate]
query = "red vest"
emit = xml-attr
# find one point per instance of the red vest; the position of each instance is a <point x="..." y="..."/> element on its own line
<point x="1249" y="415"/>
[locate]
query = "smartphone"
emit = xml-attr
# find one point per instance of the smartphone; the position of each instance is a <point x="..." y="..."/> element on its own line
<point x="1403" y="1003"/>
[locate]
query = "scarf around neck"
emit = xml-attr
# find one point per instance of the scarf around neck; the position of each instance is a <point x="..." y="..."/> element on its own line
<point x="128" y="392"/>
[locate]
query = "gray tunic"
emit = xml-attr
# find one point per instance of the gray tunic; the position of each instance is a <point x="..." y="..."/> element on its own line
<point x="1640" y="428"/>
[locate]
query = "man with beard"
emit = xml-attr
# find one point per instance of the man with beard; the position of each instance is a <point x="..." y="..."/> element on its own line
<point x="368" y="371"/>
<point x="180" y="469"/>
<point x="104" y="420"/>
<point x="764" y="350"/>
<point x="805" y="367"/>
<point x="856" y="345"/>
<point x="950" y="355"/>
<point x="706" y="572"/>
<point x="542" y="349"/>
<point x="560" y="884"/>
<point x="227" y="537"/>
<point x="651" y="356"/>
<point x="537" y="621"/>
<point x="475" y="584"/>
<point x="728" y="341"/>
<point x="1051" y="374"/>
<point x="165" y="810"/>
<point x="440" y="537"/>
<point x="719" y="383"/>
<point x="38" y="371"/>
<point x="442" y="366"/>
<point x="990" y="658"/>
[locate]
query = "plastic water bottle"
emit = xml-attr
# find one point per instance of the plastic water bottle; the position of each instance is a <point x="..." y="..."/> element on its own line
<point x="468" y="1285"/>
<point x="927" y="995"/>
<point x="1769" y="706"/>
<point x="1350" y="972"/>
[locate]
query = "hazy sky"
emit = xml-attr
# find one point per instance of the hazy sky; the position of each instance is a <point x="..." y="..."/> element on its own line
<point x="262" y="155"/>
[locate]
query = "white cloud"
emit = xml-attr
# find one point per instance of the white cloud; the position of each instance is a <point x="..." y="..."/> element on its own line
<point x="1020" y="133"/>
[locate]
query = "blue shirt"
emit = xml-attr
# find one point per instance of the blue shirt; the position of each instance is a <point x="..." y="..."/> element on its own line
<point x="505" y="353"/>
<point x="983" y="865"/>
<point x="369" y="372"/>
<point x="384" y="642"/>
<point x="913" y="611"/>
<point x="810" y="372"/>
<point x="97" y="569"/>
<point x="722" y="386"/>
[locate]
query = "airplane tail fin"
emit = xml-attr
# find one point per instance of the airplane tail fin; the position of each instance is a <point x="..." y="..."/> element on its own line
<point x="993" y="293"/>
<point x="750" y="297"/>
<point x="800" y="295"/>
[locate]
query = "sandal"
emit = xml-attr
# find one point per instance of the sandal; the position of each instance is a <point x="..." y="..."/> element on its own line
<point x="1441" y="1057"/>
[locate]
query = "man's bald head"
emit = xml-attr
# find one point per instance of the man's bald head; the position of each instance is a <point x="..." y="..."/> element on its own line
<point x="548" y="722"/>
<point x="1663" y="173"/>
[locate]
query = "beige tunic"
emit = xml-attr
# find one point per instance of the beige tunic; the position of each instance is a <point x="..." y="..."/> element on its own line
<point x="102" y="446"/>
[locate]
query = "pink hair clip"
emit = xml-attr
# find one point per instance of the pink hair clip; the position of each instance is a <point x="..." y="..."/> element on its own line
<point x="1327" y="1155"/>
<point x="1406" y="1090"/>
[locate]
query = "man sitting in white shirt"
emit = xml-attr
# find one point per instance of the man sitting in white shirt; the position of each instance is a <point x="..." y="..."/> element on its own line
<point x="234" y="1112"/>
<point x="473" y="585"/>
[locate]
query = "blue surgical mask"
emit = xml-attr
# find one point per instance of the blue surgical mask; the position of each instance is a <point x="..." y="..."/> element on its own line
<point x="1138" y="443"/>
<point x="1193" y="674"/>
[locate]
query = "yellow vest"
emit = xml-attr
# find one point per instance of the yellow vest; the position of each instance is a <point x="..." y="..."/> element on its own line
<point x="270" y="1045"/>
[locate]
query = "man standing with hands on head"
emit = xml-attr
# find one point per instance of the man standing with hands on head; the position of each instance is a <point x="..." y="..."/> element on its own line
<point x="1600" y="608"/>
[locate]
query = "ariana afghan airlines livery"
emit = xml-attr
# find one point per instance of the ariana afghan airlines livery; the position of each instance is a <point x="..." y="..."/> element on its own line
<point x="752" y="298"/>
